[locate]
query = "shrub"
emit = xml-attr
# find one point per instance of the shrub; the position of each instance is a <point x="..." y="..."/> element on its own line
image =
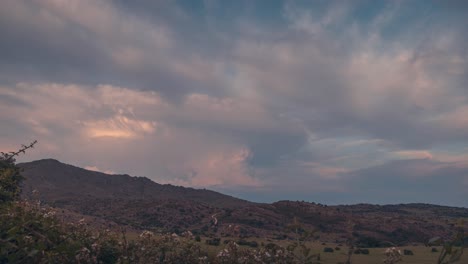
<point x="243" y="242"/>
<point x="213" y="241"/>
<point x="449" y="253"/>
<point x="368" y="242"/>
<point x="235" y="254"/>
<point x="365" y="251"/>
<point x="328" y="250"/>
<point x="392" y="255"/>
<point x="408" y="252"/>
<point x="10" y="177"/>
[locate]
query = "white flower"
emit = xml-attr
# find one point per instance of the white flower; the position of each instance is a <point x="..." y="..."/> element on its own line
<point x="95" y="246"/>
<point x="49" y="214"/>
<point x="146" y="234"/>
<point x="223" y="253"/>
<point x="28" y="239"/>
<point x="84" y="250"/>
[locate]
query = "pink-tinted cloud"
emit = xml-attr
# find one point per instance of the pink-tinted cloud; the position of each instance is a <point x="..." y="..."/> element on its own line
<point x="118" y="126"/>
<point x="225" y="169"/>
<point x="414" y="154"/>
<point x="186" y="97"/>
<point x="145" y="123"/>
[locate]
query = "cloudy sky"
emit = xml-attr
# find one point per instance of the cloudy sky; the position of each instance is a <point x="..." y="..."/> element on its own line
<point x="332" y="102"/>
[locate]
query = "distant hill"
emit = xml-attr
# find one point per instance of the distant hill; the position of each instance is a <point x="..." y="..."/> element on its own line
<point x="57" y="181"/>
<point x="141" y="203"/>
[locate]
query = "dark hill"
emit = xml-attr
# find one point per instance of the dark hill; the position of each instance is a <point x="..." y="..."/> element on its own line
<point x="143" y="204"/>
<point x="58" y="181"/>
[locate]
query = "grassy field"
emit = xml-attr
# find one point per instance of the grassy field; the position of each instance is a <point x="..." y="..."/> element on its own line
<point x="422" y="254"/>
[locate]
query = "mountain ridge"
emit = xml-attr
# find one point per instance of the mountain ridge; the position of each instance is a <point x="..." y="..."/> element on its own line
<point x="144" y="204"/>
<point x="120" y="185"/>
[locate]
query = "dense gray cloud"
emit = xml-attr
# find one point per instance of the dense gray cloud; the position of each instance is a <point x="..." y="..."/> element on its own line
<point x="94" y="42"/>
<point x="298" y="98"/>
<point x="403" y="180"/>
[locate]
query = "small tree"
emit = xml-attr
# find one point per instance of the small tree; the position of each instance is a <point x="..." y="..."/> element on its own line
<point x="452" y="250"/>
<point x="299" y="248"/>
<point x="10" y="177"/>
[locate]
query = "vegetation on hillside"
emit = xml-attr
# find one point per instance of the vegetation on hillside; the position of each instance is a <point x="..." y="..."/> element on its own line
<point x="141" y="204"/>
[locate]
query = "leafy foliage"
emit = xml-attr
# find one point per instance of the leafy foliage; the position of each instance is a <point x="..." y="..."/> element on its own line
<point x="10" y="177"/>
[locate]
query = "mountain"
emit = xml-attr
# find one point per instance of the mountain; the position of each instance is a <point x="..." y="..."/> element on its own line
<point x="140" y="203"/>
<point x="59" y="182"/>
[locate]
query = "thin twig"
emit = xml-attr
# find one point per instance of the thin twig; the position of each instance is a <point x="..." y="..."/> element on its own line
<point x="9" y="156"/>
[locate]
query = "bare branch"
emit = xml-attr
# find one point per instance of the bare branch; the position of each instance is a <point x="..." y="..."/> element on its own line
<point x="12" y="154"/>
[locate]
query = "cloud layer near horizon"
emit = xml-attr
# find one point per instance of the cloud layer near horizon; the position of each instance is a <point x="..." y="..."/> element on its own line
<point x="334" y="103"/>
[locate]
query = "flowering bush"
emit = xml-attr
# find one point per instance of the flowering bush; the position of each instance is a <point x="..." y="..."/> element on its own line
<point x="233" y="253"/>
<point x="392" y="255"/>
<point x="30" y="233"/>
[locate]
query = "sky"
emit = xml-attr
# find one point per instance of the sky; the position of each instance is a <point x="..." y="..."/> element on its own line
<point x="337" y="102"/>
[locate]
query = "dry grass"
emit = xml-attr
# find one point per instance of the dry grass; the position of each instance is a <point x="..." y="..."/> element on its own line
<point x="422" y="254"/>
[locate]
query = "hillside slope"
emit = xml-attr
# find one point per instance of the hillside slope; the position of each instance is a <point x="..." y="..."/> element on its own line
<point x="57" y="181"/>
<point x="143" y="204"/>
